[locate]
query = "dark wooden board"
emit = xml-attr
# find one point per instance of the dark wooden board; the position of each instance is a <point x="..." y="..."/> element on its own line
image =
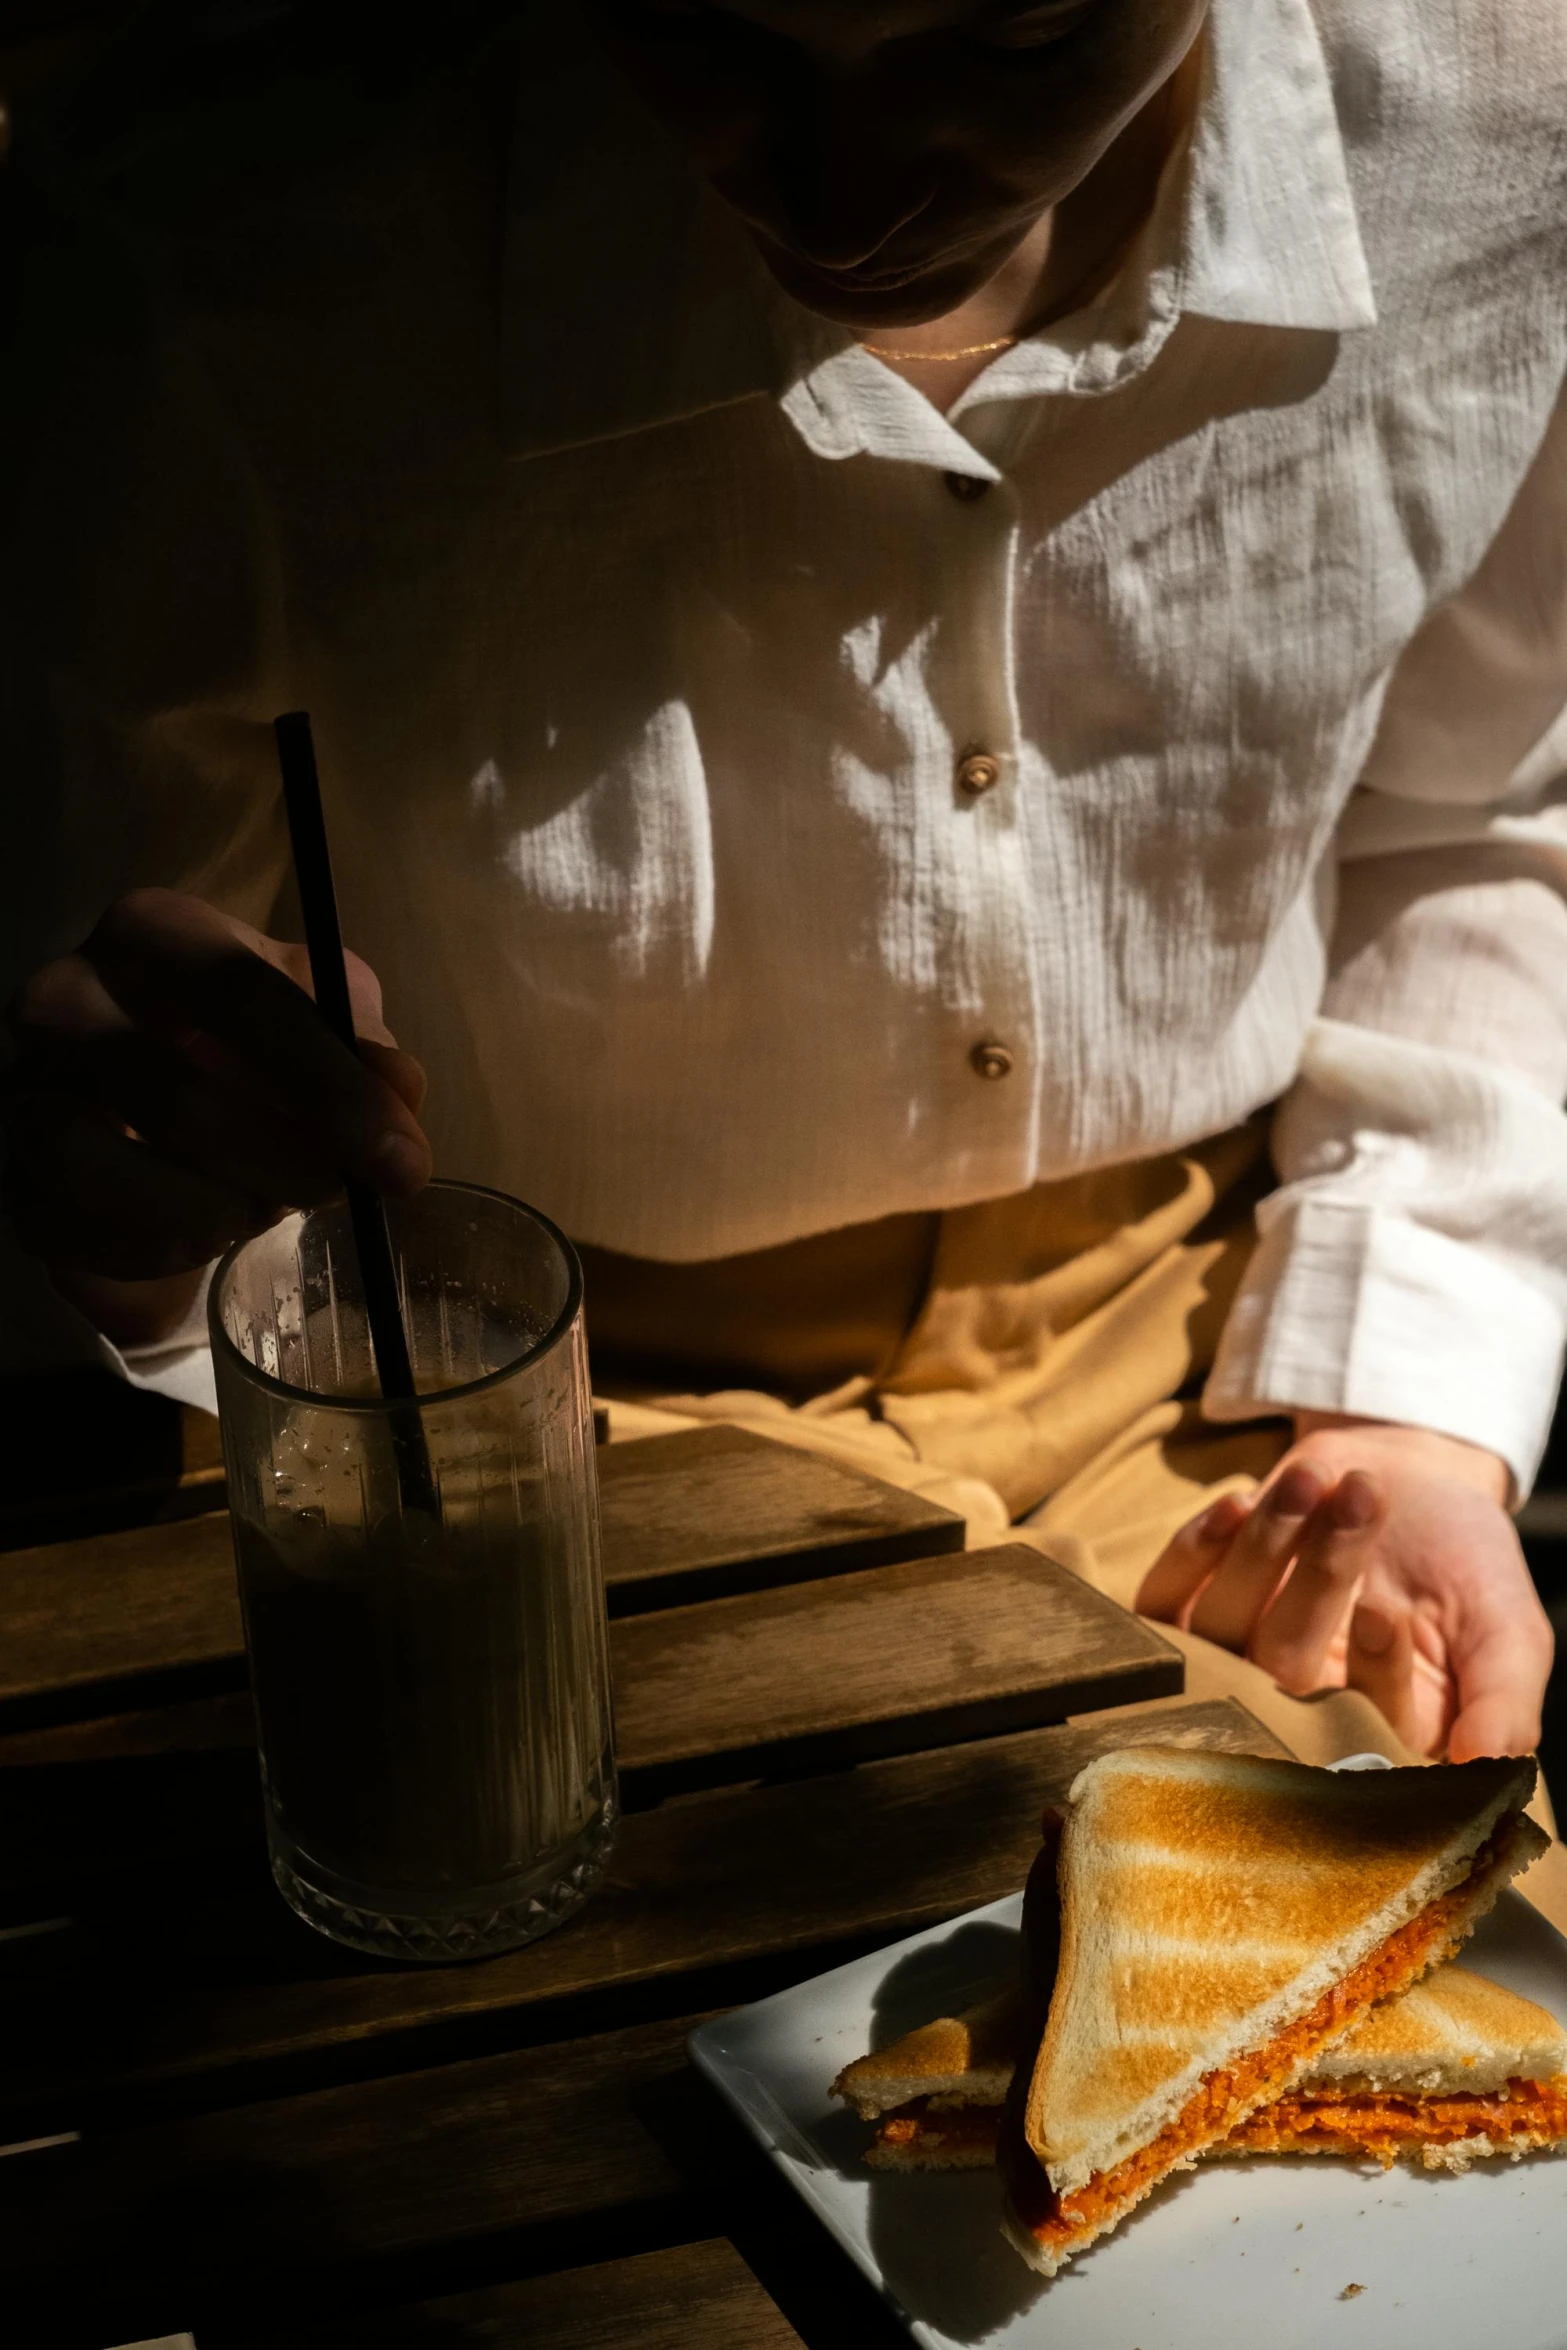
<point x="688" y="2297"/>
<point x="915" y="1654"/>
<point x="152" y="1613"/>
<point x="719" y="1509"/>
<point x="86" y="1451"/>
<point x="90" y="1624"/>
<point x="195" y="1725"/>
<point x="541" y="2150"/>
<point x="239" y="2225"/>
<point x="183" y="1963"/>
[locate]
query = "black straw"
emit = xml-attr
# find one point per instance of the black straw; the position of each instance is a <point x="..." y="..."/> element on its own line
<point x="377" y="1273"/>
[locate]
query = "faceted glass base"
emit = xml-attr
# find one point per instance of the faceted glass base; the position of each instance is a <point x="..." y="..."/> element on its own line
<point x="498" y="1918"/>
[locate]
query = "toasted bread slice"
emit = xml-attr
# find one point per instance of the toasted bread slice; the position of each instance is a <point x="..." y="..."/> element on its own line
<point x="965" y="2059"/>
<point x="1224" y="1919"/>
<point x="1457" y="2034"/>
<point x="1456" y="2070"/>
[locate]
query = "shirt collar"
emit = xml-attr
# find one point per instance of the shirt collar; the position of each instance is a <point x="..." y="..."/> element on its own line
<point x="634" y="298"/>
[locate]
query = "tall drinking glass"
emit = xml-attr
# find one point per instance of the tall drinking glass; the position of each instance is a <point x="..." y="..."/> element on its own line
<point x="432" y="1687"/>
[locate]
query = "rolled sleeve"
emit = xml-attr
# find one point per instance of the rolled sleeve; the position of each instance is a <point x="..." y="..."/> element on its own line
<point x="1413" y="1266"/>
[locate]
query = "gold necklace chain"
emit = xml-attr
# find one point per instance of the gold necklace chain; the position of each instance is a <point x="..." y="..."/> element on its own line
<point x="969" y="350"/>
<point x="1083" y="290"/>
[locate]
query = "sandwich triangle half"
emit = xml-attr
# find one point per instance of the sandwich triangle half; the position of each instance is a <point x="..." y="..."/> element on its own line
<point x="1223" y="1918"/>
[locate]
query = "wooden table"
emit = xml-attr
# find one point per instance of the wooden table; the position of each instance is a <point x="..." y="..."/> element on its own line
<point x="835" y="1727"/>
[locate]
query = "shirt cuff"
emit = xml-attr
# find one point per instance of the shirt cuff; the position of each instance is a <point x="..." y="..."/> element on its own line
<point x="1348" y="1307"/>
<point x="179" y="1366"/>
<point x="41" y="1331"/>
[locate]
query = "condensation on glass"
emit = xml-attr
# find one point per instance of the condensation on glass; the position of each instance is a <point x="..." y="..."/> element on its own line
<point x="432" y="1690"/>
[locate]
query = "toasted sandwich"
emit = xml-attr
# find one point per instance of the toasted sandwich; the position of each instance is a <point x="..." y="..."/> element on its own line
<point x="1224" y="1920"/>
<point x="1452" y="2071"/>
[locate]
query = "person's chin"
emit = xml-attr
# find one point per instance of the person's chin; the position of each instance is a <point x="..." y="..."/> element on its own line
<point x="877" y="300"/>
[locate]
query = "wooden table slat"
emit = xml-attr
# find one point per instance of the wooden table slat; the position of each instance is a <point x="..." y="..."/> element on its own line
<point x="86" y="1451"/>
<point x="916" y="1654"/>
<point x="90" y="1625"/>
<point x="98" y="1618"/>
<point x="714" y="1510"/>
<point x="343" y="2181"/>
<point x="686" y="2297"/>
<point x="883" y="1659"/>
<point x="183" y="1961"/>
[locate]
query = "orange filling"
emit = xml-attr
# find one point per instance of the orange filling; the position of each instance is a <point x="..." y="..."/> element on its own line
<point x="1383" y="2125"/>
<point x="962" y="2125"/>
<point x="1257" y="2080"/>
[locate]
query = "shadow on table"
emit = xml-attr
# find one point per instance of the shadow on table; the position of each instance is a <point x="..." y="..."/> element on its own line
<point x="417" y="2327"/>
<point x="937" y="2237"/>
<point x="737" y="2193"/>
<point x="141" y="1906"/>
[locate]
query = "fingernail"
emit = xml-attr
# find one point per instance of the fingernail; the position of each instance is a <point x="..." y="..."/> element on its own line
<point x="397" y="1165"/>
<point x="1296" y="1494"/>
<point x="1372" y="1631"/>
<point x="1356" y="1502"/>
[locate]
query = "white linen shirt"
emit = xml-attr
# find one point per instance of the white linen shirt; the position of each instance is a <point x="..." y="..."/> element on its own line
<point x="646" y="622"/>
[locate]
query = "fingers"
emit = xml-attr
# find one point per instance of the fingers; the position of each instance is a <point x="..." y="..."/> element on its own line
<point x="199" y="1117"/>
<point x="1186" y="1563"/>
<point x="375" y="1045"/>
<point x="1229" y="1610"/>
<point x="399" y="1070"/>
<point x="1494" y="1724"/>
<point x="174" y="1089"/>
<point x="82" y="1193"/>
<point x="364" y="988"/>
<point x="1380" y="1664"/>
<point x="1501" y="1676"/>
<point x="172" y="964"/>
<point x="1293" y="1639"/>
<point x="169" y="1019"/>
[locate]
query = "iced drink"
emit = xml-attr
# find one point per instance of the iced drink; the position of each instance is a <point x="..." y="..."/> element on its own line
<point x="431" y="1688"/>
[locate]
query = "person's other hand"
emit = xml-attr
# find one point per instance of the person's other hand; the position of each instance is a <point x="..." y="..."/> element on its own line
<point x="1379" y="1558"/>
<point x="173" y="1090"/>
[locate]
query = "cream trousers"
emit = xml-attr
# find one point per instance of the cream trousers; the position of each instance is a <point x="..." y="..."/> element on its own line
<point x="1032" y="1363"/>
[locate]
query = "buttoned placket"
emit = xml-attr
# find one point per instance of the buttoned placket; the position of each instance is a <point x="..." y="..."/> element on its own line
<point x="972" y="681"/>
<point x="849" y="404"/>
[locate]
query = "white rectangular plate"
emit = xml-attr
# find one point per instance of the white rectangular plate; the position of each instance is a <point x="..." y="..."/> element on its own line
<point x="1234" y="2256"/>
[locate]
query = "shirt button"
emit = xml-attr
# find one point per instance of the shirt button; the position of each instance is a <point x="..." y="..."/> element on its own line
<point x="978" y="772"/>
<point x="990" y="1060"/>
<point x="966" y="486"/>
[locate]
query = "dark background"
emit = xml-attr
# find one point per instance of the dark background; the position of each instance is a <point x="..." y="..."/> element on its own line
<point x="1543" y="1525"/>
